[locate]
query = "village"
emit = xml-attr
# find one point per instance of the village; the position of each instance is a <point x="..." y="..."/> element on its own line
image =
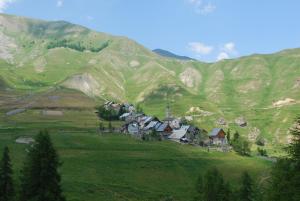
<point x="147" y="127"/>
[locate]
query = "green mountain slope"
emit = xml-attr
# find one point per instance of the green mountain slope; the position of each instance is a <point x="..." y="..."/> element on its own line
<point x="38" y="57"/>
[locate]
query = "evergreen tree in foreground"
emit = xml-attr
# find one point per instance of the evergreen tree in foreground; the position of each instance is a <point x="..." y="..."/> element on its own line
<point x="294" y="148"/>
<point x="40" y="180"/>
<point x="246" y="192"/>
<point x="212" y="187"/>
<point x="6" y="181"/>
<point x="285" y="176"/>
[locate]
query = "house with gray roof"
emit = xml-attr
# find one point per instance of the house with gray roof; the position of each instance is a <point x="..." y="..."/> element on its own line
<point x="217" y="136"/>
<point x="179" y="134"/>
<point x="133" y="128"/>
<point x="151" y="126"/>
<point x="164" y="129"/>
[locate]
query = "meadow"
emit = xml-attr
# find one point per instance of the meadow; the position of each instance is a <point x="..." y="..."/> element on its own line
<point x="119" y="167"/>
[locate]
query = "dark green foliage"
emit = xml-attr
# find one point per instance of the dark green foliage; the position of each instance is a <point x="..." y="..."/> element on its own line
<point x="155" y="135"/>
<point x="262" y="152"/>
<point x="240" y="145"/>
<point x="7" y="192"/>
<point x="228" y="136"/>
<point x="122" y="110"/>
<point x="101" y="47"/>
<point x="285" y="176"/>
<point x="212" y="187"/>
<point x="76" y="45"/>
<point x="40" y="180"/>
<point x="107" y="113"/>
<point x="294" y="147"/>
<point x="236" y="136"/>
<point x="101" y="126"/>
<point x="281" y="188"/>
<point x="168" y="198"/>
<point x="110" y="127"/>
<point x="152" y="136"/>
<point x="247" y="191"/>
<point x="139" y="108"/>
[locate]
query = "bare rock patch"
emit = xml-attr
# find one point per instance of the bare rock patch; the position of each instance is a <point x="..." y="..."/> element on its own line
<point x="190" y="78"/>
<point x="284" y="102"/>
<point x="84" y="83"/>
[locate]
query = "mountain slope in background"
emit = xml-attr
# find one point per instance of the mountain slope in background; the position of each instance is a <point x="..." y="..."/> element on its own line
<point x="165" y="53"/>
<point x="40" y="61"/>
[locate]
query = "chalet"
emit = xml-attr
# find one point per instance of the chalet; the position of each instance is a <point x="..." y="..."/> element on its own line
<point x="133" y="128"/>
<point x="144" y="121"/>
<point x="151" y="126"/>
<point x="180" y="134"/>
<point x="217" y="137"/>
<point x="134" y="117"/>
<point x="164" y="129"/>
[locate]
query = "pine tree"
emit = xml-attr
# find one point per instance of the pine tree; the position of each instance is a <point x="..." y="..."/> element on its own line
<point x="246" y="192"/>
<point x="212" y="187"/>
<point x="228" y="136"/>
<point x="294" y="147"/>
<point x="236" y="136"/>
<point x="40" y="179"/>
<point x="285" y="175"/>
<point x="7" y="192"/>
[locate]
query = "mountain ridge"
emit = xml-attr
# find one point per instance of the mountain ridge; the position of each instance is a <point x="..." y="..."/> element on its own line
<point x="127" y="71"/>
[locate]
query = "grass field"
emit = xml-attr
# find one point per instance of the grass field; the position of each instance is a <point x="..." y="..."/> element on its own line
<point x="114" y="167"/>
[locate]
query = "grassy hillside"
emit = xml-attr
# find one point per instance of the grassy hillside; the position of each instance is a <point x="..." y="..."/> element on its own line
<point x="39" y="57"/>
<point x="114" y="167"/>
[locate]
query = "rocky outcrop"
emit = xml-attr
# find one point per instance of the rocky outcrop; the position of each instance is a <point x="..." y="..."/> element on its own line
<point x="84" y="83"/>
<point x="190" y="77"/>
<point x="221" y="121"/>
<point x="253" y="134"/>
<point x="240" y="121"/>
<point x="7" y="46"/>
<point x="284" y="102"/>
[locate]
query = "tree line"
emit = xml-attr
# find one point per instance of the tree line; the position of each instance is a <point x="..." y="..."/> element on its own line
<point x="76" y="45"/>
<point x="39" y="180"/>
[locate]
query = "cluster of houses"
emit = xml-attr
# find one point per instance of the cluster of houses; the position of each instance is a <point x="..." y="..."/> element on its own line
<point x="171" y="128"/>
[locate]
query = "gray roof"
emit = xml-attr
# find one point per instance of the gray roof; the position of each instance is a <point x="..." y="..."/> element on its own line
<point x="151" y="125"/>
<point x="215" y="132"/>
<point x="162" y="127"/>
<point x="157" y="126"/>
<point x="147" y="119"/>
<point x="179" y="133"/>
<point x="124" y="115"/>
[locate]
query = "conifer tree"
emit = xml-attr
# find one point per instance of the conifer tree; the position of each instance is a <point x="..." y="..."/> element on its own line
<point x="285" y="175"/>
<point x="40" y="179"/>
<point x="294" y="147"/>
<point x="7" y="192"/>
<point x="228" y="136"/>
<point x="212" y="187"/>
<point x="246" y="192"/>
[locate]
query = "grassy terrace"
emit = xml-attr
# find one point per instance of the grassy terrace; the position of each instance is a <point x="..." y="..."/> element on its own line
<point x="114" y="167"/>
